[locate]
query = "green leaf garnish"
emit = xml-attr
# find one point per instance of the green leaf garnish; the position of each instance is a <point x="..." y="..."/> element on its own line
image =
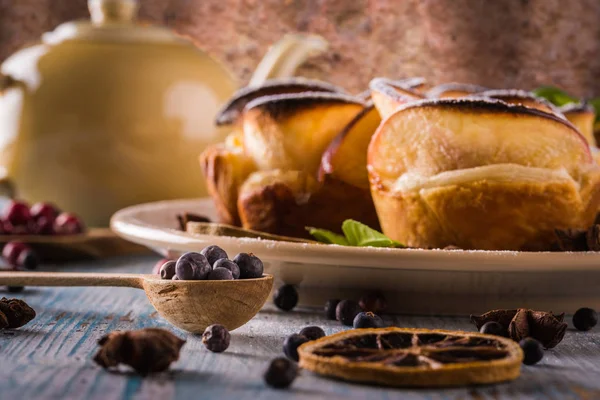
<point x="359" y="234"/>
<point x="596" y="104"/>
<point x="355" y="234"/>
<point x="555" y="95"/>
<point x="325" y="236"/>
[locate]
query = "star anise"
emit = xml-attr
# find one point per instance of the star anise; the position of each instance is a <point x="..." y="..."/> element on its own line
<point x="146" y="350"/>
<point x="14" y="313"/>
<point x="546" y="327"/>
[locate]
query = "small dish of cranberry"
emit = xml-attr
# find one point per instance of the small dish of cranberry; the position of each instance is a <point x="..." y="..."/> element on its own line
<point x="18" y="218"/>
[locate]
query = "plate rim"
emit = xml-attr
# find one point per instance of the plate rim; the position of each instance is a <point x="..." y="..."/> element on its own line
<point x="126" y="224"/>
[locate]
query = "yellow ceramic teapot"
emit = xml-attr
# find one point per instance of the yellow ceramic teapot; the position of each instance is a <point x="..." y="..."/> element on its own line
<point x="104" y="114"/>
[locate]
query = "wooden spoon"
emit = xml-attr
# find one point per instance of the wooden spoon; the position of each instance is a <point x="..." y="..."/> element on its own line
<point x="189" y="305"/>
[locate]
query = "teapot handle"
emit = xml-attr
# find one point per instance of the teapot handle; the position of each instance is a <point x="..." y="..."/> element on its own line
<point x="286" y="55"/>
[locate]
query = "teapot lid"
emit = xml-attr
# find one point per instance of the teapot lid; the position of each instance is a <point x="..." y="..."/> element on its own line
<point x="113" y="21"/>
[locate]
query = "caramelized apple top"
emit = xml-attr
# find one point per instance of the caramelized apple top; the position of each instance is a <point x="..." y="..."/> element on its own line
<point x="521" y="97"/>
<point x="430" y="137"/>
<point x="388" y="95"/>
<point x="454" y="90"/>
<point x="232" y="110"/>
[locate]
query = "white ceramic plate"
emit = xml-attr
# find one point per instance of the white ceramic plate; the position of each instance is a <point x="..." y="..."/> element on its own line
<point x="415" y="281"/>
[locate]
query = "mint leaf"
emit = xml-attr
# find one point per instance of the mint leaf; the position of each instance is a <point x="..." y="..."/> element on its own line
<point x="555" y="95"/>
<point x="325" y="236"/>
<point x="359" y="234"/>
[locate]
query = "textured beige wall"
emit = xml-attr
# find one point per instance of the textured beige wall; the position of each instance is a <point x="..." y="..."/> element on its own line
<point x="497" y="43"/>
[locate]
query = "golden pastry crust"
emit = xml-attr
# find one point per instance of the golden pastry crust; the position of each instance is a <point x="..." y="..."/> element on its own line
<point x="504" y="191"/>
<point x="445" y="375"/>
<point x="225" y="169"/>
<point x="286" y="202"/>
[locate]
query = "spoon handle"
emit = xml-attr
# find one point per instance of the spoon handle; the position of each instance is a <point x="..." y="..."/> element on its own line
<point x="69" y="279"/>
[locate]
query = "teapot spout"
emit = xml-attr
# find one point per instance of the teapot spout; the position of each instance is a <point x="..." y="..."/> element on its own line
<point x="286" y="55"/>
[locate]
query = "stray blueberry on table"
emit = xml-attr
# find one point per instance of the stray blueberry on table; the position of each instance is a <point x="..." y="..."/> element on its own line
<point x="585" y="319"/>
<point x="230" y="265"/>
<point x="330" y="307"/>
<point x="216" y="338"/>
<point x="493" y="328"/>
<point x="167" y="270"/>
<point x="213" y="253"/>
<point x="15" y="289"/>
<point x="312" y="332"/>
<point x="192" y="266"/>
<point x="286" y="297"/>
<point x="532" y="351"/>
<point x="367" y="320"/>
<point x="251" y="267"/>
<point x="373" y="301"/>
<point x="346" y="311"/>
<point x="281" y="373"/>
<point x="291" y="344"/>
<point x="27" y="259"/>
<point x="220" y="274"/>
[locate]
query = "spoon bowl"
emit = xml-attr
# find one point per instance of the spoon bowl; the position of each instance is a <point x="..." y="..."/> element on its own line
<point x="188" y="305"/>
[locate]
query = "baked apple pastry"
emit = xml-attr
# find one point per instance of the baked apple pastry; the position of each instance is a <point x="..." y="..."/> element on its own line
<point x="286" y="165"/>
<point x="480" y="174"/>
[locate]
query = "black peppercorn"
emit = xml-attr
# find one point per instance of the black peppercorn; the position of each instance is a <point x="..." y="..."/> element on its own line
<point x="281" y="373"/>
<point x="346" y="311"/>
<point x="286" y="297"/>
<point x="216" y="338"/>
<point x="585" y="319"/>
<point x="291" y="344"/>
<point x="533" y="351"/>
<point x="330" y="307"/>
<point x="312" y="332"/>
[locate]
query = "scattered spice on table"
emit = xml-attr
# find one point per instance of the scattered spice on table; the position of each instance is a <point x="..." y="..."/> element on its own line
<point x="546" y="327"/>
<point x="147" y="351"/>
<point x="14" y="313"/>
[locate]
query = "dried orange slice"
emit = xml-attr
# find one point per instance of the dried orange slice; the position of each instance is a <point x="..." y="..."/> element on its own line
<point x="413" y="357"/>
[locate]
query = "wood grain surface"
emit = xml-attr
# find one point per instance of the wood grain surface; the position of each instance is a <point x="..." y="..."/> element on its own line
<point x="50" y="358"/>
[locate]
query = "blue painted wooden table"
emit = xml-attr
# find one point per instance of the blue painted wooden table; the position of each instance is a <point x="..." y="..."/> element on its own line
<point x="51" y="357"/>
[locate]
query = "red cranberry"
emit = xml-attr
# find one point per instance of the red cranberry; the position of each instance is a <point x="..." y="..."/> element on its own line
<point x="156" y="269"/>
<point x="17" y="213"/>
<point x="44" y="210"/>
<point x="44" y="226"/>
<point x="68" y="224"/>
<point x="12" y="251"/>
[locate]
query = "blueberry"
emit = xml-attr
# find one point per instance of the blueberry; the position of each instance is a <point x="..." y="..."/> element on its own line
<point x="15" y="289"/>
<point x="286" y="297"/>
<point x="373" y="301"/>
<point x="192" y="266"/>
<point x="281" y="373"/>
<point x="220" y="274"/>
<point x="230" y="265"/>
<point x="216" y="338"/>
<point x="585" y="319"/>
<point x="532" y="351"/>
<point x="250" y="265"/>
<point x="493" y="328"/>
<point x="346" y="310"/>
<point x="213" y="253"/>
<point x="291" y="344"/>
<point x="312" y="332"/>
<point x="28" y="260"/>
<point x="330" y="308"/>
<point x="367" y="320"/>
<point x="167" y="270"/>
